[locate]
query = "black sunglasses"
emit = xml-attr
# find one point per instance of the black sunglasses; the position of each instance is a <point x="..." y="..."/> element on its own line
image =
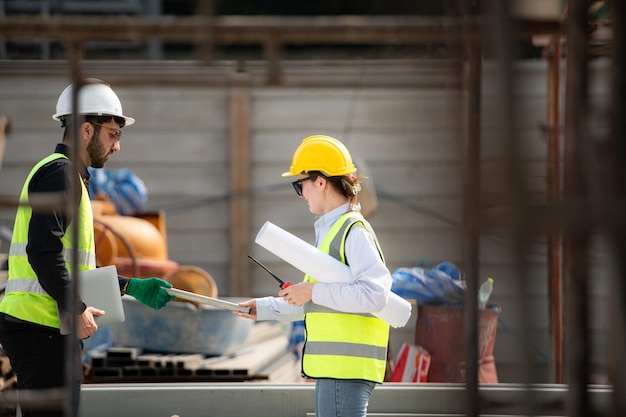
<point x="297" y="185"/>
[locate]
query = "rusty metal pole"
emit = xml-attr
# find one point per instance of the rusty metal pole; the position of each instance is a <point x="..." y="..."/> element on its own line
<point x="617" y="225"/>
<point x="553" y="179"/>
<point x="471" y="210"/>
<point x="471" y="193"/>
<point x="72" y="349"/>
<point x="576" y="236"/>
<point x="521" y="225"/>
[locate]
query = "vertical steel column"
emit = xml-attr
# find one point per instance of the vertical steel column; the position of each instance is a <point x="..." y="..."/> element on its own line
<point x="521" y="225"/>
<point x="73" y="392"/>
<point x="617" y="225"/>
<point x="553" y="179"/>
<point x="578" y="156"/>
<point x="471" y="193"/>
<point x="471" y="210"/>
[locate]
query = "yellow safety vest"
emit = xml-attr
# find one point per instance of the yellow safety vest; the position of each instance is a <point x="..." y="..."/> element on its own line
<point x="24" y="298"/>
<point x="343" y="345"/>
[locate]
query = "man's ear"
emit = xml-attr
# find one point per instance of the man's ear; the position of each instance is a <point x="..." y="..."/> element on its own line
<point x="86" y="130"/>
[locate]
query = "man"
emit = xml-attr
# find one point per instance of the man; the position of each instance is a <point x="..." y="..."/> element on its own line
<point x="38" y="292"/>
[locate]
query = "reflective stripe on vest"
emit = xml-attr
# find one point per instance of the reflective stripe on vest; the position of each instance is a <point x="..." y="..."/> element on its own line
<point x="343" y="345"/>
<point x="24" y="297"/>
<point x="84" y="258"/>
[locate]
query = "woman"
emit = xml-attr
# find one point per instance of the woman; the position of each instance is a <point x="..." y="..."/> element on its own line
<point x="345" y="346"/>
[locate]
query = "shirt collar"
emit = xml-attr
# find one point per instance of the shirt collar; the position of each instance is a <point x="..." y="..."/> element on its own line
<point x="67" y="151"/>
<point x="324" y="223"/>
<point x="333" y="215"/>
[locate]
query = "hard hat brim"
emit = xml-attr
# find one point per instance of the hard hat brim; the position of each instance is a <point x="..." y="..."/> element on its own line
<point x="129" y="120"/>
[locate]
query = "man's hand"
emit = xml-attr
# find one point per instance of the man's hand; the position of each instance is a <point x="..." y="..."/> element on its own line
<point x="150" y="291"/>
<point x="85" y="324"/>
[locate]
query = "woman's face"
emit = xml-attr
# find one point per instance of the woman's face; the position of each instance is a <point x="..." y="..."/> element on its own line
<point x="312" y="193"/>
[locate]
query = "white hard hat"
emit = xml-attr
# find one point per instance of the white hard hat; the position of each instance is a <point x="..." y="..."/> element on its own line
<point x="95" y="98"/>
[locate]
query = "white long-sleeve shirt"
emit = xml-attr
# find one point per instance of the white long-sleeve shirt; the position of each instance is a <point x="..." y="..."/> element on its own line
<point x="366" y="293"/>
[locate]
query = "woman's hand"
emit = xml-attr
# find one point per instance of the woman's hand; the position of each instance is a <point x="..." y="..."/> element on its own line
<point x="252" y="305"/>
<point x="298" y="294"/>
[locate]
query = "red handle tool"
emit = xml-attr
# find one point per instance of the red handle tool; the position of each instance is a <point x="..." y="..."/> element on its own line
<point x="282" y="283"/>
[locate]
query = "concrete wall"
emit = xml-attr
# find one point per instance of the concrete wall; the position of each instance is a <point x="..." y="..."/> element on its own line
<point x="408" y="138"/>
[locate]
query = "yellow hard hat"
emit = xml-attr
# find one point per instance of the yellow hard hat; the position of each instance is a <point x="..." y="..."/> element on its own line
<point x="321" y="153"/>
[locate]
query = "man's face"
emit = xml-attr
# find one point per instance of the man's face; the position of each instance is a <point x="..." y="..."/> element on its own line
<point x="103" y="143"/>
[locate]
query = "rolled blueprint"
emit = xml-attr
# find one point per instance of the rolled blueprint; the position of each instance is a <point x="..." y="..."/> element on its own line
<point x="324" y="268"/>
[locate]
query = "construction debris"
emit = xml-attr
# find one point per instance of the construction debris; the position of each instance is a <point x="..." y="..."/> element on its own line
<point x="265" y="357"/>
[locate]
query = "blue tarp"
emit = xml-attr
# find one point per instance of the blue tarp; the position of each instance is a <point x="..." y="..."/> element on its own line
<point x="441" y="284"/>
<point x="122" y="188"/>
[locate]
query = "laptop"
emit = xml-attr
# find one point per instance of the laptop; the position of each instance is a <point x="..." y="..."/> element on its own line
<point x="100" y="288"/>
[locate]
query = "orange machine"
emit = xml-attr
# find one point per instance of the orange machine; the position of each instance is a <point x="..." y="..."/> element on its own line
<point x="137" y="246"/>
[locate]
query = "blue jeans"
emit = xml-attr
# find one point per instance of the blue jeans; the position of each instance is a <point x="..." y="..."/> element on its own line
<point x="342" y="398"/>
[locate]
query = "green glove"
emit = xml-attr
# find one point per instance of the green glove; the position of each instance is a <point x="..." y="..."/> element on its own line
<point x="150" y="291"/>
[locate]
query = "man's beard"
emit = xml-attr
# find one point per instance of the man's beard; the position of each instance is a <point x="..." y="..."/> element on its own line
<point x="97" y="153"/>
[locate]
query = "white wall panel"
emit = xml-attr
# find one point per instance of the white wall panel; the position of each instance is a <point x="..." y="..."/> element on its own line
<point x="409" y="139"/>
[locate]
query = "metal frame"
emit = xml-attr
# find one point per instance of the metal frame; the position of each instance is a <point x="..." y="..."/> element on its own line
<point x="473" y="31"/>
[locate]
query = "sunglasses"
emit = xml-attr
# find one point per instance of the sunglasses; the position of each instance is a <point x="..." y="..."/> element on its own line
<point x="297" y="185"/>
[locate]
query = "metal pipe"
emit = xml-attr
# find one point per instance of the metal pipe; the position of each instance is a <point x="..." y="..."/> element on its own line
<point x="471" y="209"/>
<point x="576" y="237"/>
<point x="72" y="391"/>
<point x="553" y="179"/>
<point x="616" y="226"/>
<point x="520" y="227"/>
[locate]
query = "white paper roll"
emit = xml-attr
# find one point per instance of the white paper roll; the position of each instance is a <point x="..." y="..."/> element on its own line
<point x="324" y="268"/>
